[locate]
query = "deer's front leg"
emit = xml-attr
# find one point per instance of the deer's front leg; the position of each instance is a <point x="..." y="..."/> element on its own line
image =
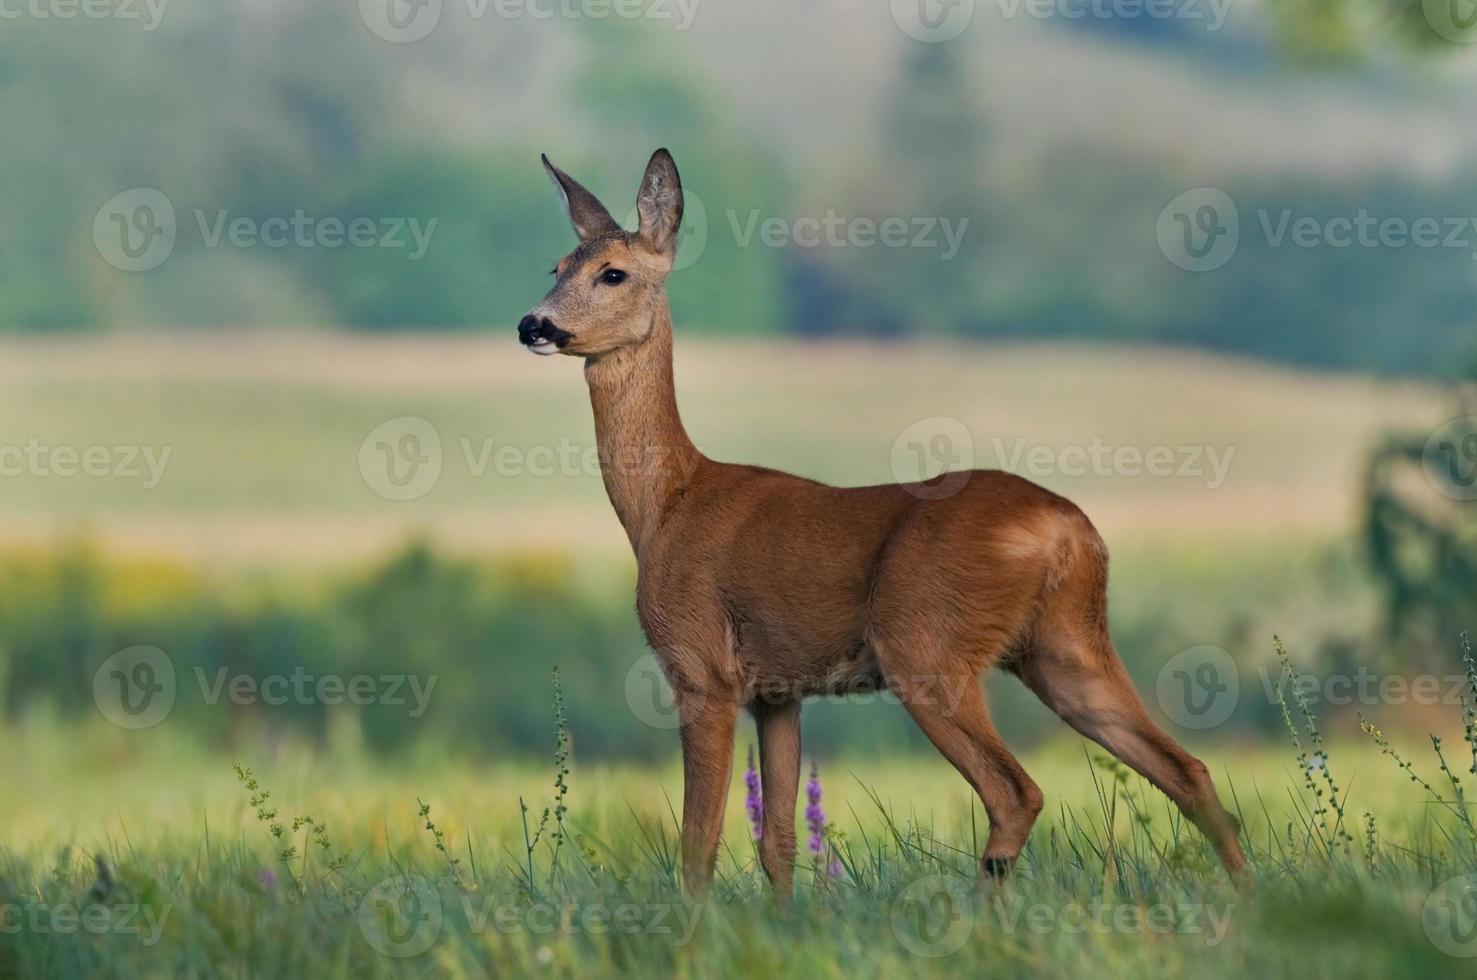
<point x="707" y="762"/>
<point x="779" y="763"/>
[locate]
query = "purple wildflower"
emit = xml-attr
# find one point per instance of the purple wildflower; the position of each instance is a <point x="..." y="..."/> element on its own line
<point x="269" y="879"/>
<point x="815" y="819"/>
<point x="754" y="802"/>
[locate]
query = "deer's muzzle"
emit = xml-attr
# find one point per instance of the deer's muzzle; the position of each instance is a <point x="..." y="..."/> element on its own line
<point x="540" y="335"/>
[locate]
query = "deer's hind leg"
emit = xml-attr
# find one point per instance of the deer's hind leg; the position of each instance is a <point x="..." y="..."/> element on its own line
<point x="942" y="693"/>
<point x="1073" y="668"/>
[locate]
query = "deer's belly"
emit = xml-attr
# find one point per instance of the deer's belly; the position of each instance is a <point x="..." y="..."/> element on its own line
<point x="788" y="659"/>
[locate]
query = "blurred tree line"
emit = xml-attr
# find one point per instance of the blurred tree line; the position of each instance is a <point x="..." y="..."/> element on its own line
<point x="479" y="636"/>
<point x="264" y="112"/>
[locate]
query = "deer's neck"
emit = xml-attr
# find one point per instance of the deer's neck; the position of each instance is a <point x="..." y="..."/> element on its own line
<point x="646" y="457"/>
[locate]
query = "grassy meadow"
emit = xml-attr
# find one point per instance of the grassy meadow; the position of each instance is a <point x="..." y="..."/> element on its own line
<point x="194" y="880"/>
<point x="255" y="531"/>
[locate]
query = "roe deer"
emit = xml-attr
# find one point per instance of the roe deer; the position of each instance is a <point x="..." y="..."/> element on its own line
<point x="756" y="588"/>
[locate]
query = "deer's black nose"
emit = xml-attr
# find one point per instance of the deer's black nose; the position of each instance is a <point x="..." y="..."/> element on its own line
<point x="541" y="335"/>
<point x="529" y="329"/>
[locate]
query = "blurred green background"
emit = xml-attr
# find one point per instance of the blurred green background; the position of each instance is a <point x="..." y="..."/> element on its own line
<point x="1057" y="140"/>
<point x="1060" y="316"/>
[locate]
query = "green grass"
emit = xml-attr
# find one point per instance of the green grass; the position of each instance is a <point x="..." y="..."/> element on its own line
<point x="148" y="856"/>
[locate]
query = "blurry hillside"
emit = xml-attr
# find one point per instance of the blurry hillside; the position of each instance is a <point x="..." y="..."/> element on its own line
<point x="1050" y="146"/>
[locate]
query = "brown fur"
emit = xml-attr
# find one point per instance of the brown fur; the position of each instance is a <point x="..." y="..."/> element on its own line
<point x="757" y="588"/>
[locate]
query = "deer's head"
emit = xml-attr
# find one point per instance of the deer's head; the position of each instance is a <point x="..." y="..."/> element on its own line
<point x="608" y="289"/>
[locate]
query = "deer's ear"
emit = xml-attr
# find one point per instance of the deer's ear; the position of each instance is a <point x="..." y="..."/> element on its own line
<point x="586" y="213"/>
<point x="659" y="204"/>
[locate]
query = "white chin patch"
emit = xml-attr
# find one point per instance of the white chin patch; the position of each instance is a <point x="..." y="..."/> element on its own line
<point x="544" y="347"/>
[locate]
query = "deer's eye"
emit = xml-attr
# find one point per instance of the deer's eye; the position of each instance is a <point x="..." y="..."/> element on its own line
<point x="612" y="277"/>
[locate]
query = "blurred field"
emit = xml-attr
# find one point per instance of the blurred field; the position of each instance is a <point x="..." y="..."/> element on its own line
<point x="264" y="433"/>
